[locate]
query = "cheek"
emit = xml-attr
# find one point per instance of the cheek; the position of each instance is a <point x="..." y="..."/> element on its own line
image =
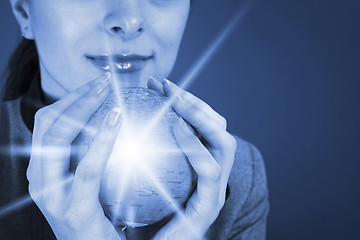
<point x="57" y="26"/>
<point x="169" y="28"/>
<point x="60" y="31"/>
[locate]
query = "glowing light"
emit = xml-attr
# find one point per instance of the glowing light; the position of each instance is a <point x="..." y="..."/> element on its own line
<point x="130" y="149"/>
<point x="175" y="206"/>
<point x="184" y="83"/>
<point x="200" y="64"/>
<point x="24" y="201"/>
<point x="15" y="150"/>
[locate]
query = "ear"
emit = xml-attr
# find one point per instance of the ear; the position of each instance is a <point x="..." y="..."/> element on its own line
<point x="21" y="10"/>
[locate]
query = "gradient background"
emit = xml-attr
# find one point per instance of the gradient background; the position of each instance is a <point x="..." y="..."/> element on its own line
<point x="287" y="80"/>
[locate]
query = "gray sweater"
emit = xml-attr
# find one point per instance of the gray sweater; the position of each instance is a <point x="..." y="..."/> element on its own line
<point x="242" y="217"/>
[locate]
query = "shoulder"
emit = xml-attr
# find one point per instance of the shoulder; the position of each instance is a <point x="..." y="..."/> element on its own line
<point x="9" y="107"/>
<point x="9" y="111"/>
<point x="251" y="195"/>
<point x="247" y="181"/>
<point x="244" y="213"/>
<point x="248" y="169"/>
<point x="12" y="127"/>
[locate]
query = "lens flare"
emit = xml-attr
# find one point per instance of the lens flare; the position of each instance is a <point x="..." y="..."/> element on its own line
<point x="131" y="149"/>
<point x="200" y="64"/>
<point x="26" y="200"/>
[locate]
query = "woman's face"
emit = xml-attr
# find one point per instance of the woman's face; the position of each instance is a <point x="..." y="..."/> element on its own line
<point x="77" y="39"/>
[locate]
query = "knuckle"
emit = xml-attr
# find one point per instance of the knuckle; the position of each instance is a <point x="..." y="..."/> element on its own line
<point x="197" y="116"/>
<point x="229" y="143"/>
<point x="81" y="90"/>
<point x="216" y="172"/>
<point x="32" y="192"/>
<point x="52" y="137"/>
<point x="48" y="138"/>
<point x="42" y="115"/>
<point x="221" y="202"/>
<point x="189" y="97"/>
<point x="223" y="122"/>
<point x="72" y="219"/>
<point x="51" y="207"/>
<point x="86" y="173"/>
<point x="76" y="217"/>
<point x="212" y="171"/>
<point x="232" y="142"/>
<point x="213" y="214"/>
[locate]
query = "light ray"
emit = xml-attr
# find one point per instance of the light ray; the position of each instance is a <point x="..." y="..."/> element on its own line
<point x="184" y="83"/>
<point x="199" y="65"/>
<point x="18" y="204"/>
<point x="26" y="200"/>
<point x="175" y="206"/>
<point x="15" y="150"/>
<point x="115" y="81"/>
<point x="202" y="61"/>
<point x="189" y="77"/>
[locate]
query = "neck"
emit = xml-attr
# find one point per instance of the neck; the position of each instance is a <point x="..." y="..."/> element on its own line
<point x="51" y="88"/>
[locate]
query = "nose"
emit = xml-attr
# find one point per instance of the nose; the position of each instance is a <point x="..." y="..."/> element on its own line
<point x="125" y="20"/>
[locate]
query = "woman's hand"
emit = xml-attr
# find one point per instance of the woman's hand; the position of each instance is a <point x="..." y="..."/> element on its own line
<point x="211" y="157"/>
<point x="70" y="202"/>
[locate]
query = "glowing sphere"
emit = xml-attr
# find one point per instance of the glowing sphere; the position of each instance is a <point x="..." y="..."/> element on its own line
<point x="147" y="176"/>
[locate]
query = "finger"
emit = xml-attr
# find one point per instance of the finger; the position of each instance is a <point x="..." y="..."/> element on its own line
<point x="86" y="185"/>
<point x="173" y="89"/>
<point x="47" y="115"/>
<point x="75" y="117"/>
<point x="55" y="168"/>
<point x="57" y="140"/>
<point x="210" y="130"/>
<point x="204" y="164"/>
<point x="204" y="201"/>
<point x="155" y="85"/>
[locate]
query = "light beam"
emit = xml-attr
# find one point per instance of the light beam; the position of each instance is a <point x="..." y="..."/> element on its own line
<point x="26" y="200"/>
<point x="184" y="83"/>
<point x="202" y="61"/>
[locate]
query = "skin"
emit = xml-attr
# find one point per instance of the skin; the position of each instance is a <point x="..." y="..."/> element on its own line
<point x="66" y="30"/>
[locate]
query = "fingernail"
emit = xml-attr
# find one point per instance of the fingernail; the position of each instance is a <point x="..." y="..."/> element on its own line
<point x="164" y="80"/>
<point x="152" y="78"/>
<point x="100" y="84"/>
<point x="103" y="78"/>
<point x="108" y="75"/>
<point x="98" y="88"/>
<point x="114" y="117"/>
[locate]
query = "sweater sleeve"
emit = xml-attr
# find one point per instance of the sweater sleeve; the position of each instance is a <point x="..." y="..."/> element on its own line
<point x="250" y="222"/>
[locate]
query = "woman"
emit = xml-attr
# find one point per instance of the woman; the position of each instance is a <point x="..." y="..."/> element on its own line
<point x="75" y="40"/>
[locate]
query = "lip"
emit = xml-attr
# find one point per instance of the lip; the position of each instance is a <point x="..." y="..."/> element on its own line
<point x="121" y="63"/>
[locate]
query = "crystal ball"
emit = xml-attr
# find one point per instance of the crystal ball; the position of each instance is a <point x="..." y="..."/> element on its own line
<point x="147" y="177"/>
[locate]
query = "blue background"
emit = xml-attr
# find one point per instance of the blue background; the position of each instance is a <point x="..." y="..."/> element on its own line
<point x="287" y="80"/>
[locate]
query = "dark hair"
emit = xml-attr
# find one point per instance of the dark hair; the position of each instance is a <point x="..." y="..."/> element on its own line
<point x="22" y="69"/>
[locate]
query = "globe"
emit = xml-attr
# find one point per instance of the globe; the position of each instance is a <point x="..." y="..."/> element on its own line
<point x="147" y="177"/>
